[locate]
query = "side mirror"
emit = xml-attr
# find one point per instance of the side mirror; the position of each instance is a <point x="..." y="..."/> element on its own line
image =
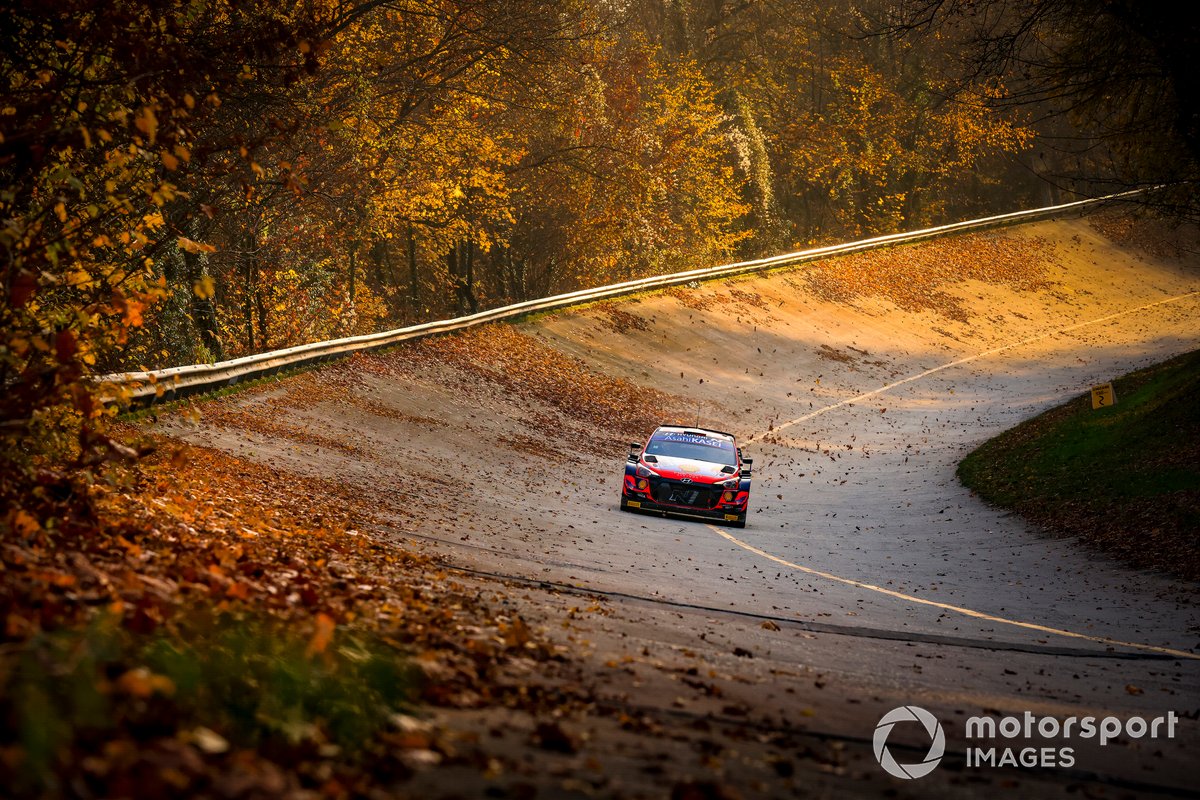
<point x="747" y="465"/>
<point x="634" y="449"/>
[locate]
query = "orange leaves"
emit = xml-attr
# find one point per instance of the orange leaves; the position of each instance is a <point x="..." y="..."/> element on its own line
<point x="131" y="313"/>
<point x="323" y="627"/>
<point x="23" y="523"/>
<point x="147" y="122"/>
<point x="917" y="278"/>
<point x="59" y="580"/>
<point x="142" y="683"/>
<point x="189" y="246"/>
<point x="527" y="368"/>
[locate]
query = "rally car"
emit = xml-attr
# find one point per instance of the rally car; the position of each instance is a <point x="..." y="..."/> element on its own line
<point x="693" y="472"/>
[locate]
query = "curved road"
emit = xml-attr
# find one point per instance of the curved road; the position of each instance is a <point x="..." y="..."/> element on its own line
<point x="864" y="558"/>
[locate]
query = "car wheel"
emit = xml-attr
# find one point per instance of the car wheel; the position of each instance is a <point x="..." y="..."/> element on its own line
<point x="624" y="503"/>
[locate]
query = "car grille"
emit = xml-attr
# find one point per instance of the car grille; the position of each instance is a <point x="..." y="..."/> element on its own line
<point x="678" y="493"/>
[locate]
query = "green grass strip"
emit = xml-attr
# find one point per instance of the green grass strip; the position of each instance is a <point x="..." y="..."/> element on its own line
<point x="1124" y="478"/>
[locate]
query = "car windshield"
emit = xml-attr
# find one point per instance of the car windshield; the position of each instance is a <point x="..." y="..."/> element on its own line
<point x="693" y="446"/>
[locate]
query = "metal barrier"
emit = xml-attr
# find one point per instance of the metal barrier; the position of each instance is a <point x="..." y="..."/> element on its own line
<point x="168" y="384"/>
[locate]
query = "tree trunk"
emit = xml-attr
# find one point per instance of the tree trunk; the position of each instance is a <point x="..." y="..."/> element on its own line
<point x="260" y="306"/>
<point x="469" y="274"/>
<point x="204" y="310"/>
<point x="414" y="295"/>
<point x="250" y="288"/>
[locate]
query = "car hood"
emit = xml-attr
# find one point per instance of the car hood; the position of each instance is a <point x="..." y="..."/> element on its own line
<point x="680" y="468"/>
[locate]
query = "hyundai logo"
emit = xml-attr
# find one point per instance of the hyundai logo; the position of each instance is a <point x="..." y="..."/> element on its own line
<point x="687" y="480"/>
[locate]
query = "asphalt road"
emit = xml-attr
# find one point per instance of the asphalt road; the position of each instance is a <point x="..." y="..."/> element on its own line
<point x="875" y="573"/>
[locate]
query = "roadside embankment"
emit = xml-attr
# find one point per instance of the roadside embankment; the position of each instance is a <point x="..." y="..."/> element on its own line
<point x="1124" y="478"/>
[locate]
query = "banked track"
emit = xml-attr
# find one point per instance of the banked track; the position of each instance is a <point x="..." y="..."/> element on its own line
<point x="147" y="386"/>
<point x="859" y="485"/>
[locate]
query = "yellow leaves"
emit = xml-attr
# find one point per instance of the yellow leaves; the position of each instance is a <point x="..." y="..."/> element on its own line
<point x="80" y="278"/>
<point x="60" y="211"/>
<point x="205" y="287"/>
<point x="153" y="220"/>
<point x="147" y="123"/>
<point x="190" y="246"/>
<point x="169" y="160"/>
<point x="162" y="194"/>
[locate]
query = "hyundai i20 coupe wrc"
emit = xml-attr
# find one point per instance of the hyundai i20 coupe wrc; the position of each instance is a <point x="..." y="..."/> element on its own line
<point x="691" y="472"/>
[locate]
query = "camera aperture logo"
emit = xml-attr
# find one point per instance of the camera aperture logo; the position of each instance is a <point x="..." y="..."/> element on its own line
<point x="937" y="745"/>
<point x="1015" y="741"/>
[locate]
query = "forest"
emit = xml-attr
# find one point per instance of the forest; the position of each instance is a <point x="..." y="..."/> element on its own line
<point x="196" y="181"/>
<point x="192" y="181"/>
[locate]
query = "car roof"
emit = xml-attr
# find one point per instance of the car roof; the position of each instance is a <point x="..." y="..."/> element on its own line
<point x="695" y="430"/>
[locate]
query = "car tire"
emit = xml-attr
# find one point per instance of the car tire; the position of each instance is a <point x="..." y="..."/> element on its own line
<point x="624" y="503"/>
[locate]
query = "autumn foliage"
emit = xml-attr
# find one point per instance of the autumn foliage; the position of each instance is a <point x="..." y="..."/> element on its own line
<point x="193" y="182"/>
<point x="188" y="182"/>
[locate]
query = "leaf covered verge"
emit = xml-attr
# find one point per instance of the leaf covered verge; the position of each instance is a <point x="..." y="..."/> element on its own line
<point x="190" y="623"/>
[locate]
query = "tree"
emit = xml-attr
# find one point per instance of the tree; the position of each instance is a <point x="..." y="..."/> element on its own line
<point x="1120" y="72"/>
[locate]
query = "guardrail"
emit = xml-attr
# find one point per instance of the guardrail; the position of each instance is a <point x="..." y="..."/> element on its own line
<point x="168" y="384"/>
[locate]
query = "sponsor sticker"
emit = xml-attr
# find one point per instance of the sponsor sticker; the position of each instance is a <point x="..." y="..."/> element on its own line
<point x="692" y="438"/>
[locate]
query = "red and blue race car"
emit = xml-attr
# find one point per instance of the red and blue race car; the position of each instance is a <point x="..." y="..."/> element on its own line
<point x="693" y="472"/>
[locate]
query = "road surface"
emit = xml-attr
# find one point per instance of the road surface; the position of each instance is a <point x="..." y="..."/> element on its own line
<point x="867" y="577"/>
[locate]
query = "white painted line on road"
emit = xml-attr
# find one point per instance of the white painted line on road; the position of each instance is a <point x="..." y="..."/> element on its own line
<point x="956" y="609"/>
<point x="966" y="360"/>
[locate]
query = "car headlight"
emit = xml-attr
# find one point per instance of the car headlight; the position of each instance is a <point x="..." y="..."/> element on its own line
<point x="729" y="484"/>
<point x="646" y="472"/>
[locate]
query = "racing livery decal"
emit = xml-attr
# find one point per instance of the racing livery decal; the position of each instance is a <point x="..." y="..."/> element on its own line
<point x="693" y="472"/>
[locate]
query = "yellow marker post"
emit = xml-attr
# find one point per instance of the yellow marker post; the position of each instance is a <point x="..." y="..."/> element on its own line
<point x="1103" y="396"/>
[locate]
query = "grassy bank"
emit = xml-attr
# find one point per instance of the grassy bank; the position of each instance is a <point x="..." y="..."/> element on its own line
<point x="1125" y="479"/>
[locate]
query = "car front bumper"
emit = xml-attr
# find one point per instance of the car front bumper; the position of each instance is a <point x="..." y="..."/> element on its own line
<point x="718" y="514"/>
<point x="722" y="512"/>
